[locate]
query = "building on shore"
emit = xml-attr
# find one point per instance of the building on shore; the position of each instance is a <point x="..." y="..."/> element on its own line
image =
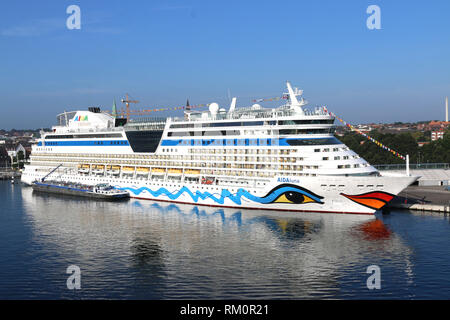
<point x="5" y="159"/>
<point x="438" y="134"/>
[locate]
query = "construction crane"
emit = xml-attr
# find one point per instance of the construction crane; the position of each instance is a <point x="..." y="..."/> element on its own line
<point x="143" y="112"/>
<point x="127" y="104"/>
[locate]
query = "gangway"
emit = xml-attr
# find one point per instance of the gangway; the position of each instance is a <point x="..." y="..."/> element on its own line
<point x="42" y="180"/>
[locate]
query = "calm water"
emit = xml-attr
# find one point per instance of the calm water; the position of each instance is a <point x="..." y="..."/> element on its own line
<point x="148" y="250"/>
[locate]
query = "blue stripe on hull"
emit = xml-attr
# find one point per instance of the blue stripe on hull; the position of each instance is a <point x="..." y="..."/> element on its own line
<point x="219" y="198"/>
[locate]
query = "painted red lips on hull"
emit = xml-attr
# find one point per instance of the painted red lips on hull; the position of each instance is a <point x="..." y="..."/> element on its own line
<point x="374" y="200"/>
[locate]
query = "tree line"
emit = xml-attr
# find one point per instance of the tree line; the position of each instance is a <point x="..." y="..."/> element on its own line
<point x="404" y="143"/>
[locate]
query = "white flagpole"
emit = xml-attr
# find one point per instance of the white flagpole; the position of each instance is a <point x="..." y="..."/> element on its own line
<point x="407" y="164"/>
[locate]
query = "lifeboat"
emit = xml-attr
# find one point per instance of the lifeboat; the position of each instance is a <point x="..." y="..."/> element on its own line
<point x="192" y="172"/>
<point x="98" y="169"/>
<point x="142" y="170"/>
<point x="115" y="170"/>
<point x="83" y="168"/>
<point x="175" y="171"/>
<point x="158" y="170"/>
<point x="128" y="170"/>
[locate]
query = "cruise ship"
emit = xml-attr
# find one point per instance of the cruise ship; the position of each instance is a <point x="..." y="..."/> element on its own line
<point x="285" y="158"/>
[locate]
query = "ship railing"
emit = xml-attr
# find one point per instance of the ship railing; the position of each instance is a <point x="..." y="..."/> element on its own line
<point x="413" y="166"/>
<point x="90" y="130"/>
<point x="248" y="113"/>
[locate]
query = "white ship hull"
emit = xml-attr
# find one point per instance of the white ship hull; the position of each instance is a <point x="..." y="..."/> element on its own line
<point x="320" y="194"/>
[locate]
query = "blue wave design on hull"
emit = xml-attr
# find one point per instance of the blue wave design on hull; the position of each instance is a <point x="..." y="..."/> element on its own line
<point x="220" y="199"/>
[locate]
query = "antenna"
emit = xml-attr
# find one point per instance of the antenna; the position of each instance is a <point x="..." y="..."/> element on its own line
<point x="293" y="98"/>
<point x="232" y="105"/>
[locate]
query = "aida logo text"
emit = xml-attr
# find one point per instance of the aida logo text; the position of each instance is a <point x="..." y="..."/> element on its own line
<point x="288" y="180"/>
<point x="81" y="118"/>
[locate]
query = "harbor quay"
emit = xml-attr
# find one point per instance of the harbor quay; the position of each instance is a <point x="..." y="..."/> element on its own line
<point x="9" y="174"/>
<point x="430" y="193"/>
<point x="423" y="198"/>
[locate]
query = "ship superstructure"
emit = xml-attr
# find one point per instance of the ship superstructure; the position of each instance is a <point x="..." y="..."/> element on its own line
<point x="284" y="158"/>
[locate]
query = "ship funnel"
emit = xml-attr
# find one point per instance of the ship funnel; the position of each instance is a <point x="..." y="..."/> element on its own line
<point x="295" y="104"/>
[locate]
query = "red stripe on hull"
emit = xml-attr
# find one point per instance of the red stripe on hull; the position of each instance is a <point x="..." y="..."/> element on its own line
<point x="250" y="208"/>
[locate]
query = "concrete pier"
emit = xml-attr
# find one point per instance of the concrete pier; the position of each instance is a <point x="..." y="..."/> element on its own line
<point x="433" y="199"/>
<point x="9" y="174"/>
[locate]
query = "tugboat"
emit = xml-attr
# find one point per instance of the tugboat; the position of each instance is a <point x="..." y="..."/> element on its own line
<point x="100" y="191"/>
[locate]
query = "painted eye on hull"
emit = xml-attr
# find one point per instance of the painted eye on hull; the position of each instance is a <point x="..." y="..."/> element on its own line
<point x="289" y="193"/>
<point x="293" y="197"/>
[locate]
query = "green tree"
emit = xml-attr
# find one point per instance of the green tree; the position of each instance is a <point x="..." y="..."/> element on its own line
<point x="403" y="143"/>
<point x="14" y="163"/>
<point x="20" y="159"/>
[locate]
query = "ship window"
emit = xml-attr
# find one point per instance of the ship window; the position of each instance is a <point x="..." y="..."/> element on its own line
<point x="319" y="141"/>
<point x="306" y="131"/>
<point x="316" y="121"/>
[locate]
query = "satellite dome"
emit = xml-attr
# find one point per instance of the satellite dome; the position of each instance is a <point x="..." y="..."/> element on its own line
<point x="256" y="106"/>
<point x="213" y="108"/>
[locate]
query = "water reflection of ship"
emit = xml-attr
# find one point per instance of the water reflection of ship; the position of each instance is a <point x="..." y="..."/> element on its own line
<point x="165" y="242"/>
<point x="374" y="230"/>
<point x="290" y="225"/>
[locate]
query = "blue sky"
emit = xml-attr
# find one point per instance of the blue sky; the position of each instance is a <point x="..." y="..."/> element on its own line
<point x="163" y="52"/>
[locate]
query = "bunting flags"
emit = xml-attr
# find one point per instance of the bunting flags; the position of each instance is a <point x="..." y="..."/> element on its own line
<point x="122" y="111"/>
<point x="189" y="107"/>
<point x="348" y="125"/>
